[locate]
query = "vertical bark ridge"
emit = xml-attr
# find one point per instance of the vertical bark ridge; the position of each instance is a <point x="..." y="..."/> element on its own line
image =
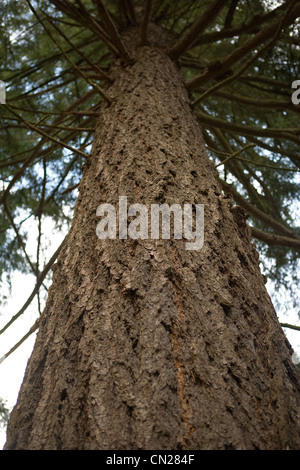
<point x="181" y="373"/>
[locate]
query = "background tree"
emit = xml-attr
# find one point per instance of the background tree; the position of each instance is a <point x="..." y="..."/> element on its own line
<point x="237" y="60"/>
<point x="4" y="413"/>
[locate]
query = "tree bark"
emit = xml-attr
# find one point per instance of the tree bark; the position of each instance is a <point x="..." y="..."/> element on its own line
<point x="142" y="343"/>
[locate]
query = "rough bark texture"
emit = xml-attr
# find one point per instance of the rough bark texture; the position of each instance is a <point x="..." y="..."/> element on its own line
<point x="143" y="344"/>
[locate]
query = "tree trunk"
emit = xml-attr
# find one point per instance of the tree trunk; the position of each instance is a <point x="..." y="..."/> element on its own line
<point x="144" y="344"/>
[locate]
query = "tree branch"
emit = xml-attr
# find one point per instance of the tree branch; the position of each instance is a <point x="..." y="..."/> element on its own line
<point x="21" y="243"/>
<point x="103" y="75"/>
<point x="199" y="25"/>
<point x="237" y="170"/>
<point x="83" y="75"/>
<point x="129" y="11"/>
<point x="230" y="13"/>
<point x="235" y="154"/>
<point x="116" y="38"/>
<point x="288" y="325"/>
<point x="48" y="136"/>
<point x="272" y="239"/>
<point x="39" y="282"/>
<point x="223" y="67"/>
<point x="29" y="332"/>
<point x="259" y="103"/>
<point x="260" y="215"/>
<point x="144" y="28"/>
<point x="251" y="27"/>
<point x="82" y="16"/>
<point x="287" y="133"/>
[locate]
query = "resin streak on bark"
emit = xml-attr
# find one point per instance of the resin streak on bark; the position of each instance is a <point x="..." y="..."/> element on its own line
<point x="143" y="344"/>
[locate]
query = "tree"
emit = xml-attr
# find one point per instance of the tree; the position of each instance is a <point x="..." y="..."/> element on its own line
<point x="142" y="343"/>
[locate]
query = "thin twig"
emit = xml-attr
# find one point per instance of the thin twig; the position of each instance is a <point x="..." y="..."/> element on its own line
<point x="51" y="113"/>
<point x="83" y="17"/>
<point x="38" y="213"/>
<point x="257" y="213"/>
<point x="294" y="157"/>
<point x="272" y="31"/>
<point x="272" y="239"/>
<point x="235" y="154"/>
<point x="69" y="190"/>
<point x="146" y="18"/>
<point x="21" y="243"/>
<point x="265" y="165"/>
<point x="37" y="150"/>
<point x="116" y="38"/>
<point x="288" y="325"/>
<point x="259" y="103"/>
<point x="83" y="75"/>
<point x="38" y="284"/>
<point x="29" y="332"/>
<point x="237" y="170"/>
<point x="235" y="75"/>
<point x="225" y="33"/>
<point x="48" y="136"/>
<point x="287" y="133"/>
<point x="86" y="59"/>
